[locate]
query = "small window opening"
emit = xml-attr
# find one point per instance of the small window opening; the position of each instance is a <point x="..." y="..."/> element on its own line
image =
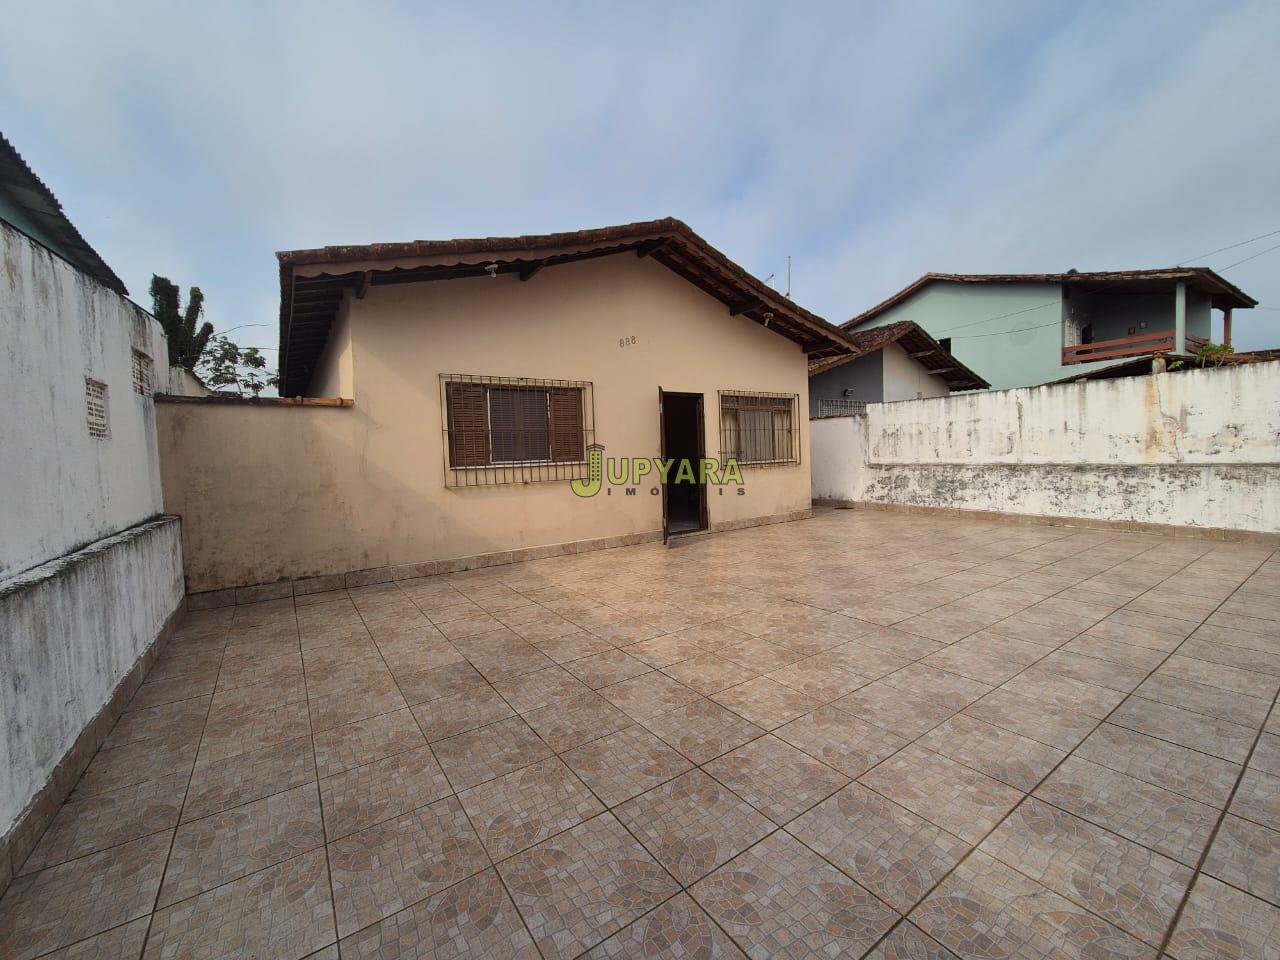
<point x="95" y="398"/>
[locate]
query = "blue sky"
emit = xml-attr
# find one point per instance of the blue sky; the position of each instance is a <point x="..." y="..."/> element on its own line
<point x="871" y="142"/>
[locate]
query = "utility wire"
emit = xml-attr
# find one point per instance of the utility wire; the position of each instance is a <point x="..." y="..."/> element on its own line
<point x="1254" y="257"/>
<point x="1201" y="256"/>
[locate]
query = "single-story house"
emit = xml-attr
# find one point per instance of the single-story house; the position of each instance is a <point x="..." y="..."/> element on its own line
<point x="1024" y="329"/>
<point x="452" y="391"/>
<point x="898" y="361"/>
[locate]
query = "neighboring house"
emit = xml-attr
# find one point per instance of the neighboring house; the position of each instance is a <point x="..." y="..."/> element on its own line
<point x="90" y="572"/>
<point x="1025" y="329"/>
<point x="898" y="361"/>
<point x="480" y="374"/>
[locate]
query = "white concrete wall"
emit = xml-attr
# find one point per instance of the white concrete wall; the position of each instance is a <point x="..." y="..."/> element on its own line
<point x="1198" y="448"/>
<point x="69" y="632"/>
<point x="88" y="575"/>
<point x="60" y="488"/>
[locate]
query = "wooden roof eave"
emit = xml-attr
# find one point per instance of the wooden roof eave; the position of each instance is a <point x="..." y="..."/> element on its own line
<point x="322" y="291"/>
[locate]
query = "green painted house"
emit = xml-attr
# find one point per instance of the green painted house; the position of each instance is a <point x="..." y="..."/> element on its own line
<point x="1017" y="330"/>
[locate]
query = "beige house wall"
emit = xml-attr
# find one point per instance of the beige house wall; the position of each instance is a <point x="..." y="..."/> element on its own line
<point x="905" y="378"/>
<point x="285" y="492"/>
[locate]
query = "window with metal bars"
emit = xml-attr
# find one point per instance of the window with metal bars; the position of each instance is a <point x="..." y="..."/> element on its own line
<point x="96" y="413"/>
<point x="512" y="430"/>
<point x="143" y="379"/>
<point x="759" y="428"/>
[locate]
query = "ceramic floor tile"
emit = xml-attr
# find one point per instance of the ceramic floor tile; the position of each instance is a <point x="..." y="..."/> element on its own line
<point x="819" y="679"/>
<point x="1120" y="881"/>
<point x="240" y="841"/>
<point x="530" y="691"/>
<point x="474" y="706"/>
<point x="580" y="887"/>
<point x="281" y="912"/>
<point x="376" y="791"/>
<point x="956" y="798"/>
<point x="624" y="764"/>
<point x="1188" y="772"/>
<point x="692" y="824"/>
<point x="1258" y="798"/>
<point x="708" y="673"/>
<point x="1055" y="726"/>
<point x="895" y="854"/>
<point x="780" y="899"/>
<point x="396" y="863"/>
<point x="1168" y="823"/>
<point x="1016" y="760"/>
<point x="607" y="668"/>
<point x="1220" y="922"/>
<point x="840" y="740"/>
<point x="489" y="752"/>
<point x="227" y="738"/>
<point x="1219" y="738"/>
<point x="908" y="942"/>
<point x="58" y="906"/>
<point x="776" y="778"/>
<point x="341" y="748"/>
<point x="527" y="806"/>
<point x="1247" y="855"/>
<point x="765" y="702"/>
<point x="986" y="909"/>
<point x="703" y="730"/>
<point x="648" y="695"/>
<point x="677" y="930"/>
<point x="940" y="686"/>
<point x="577" y="720"/>
<point x="120" y="943"/>
<point x="249" y="776"/>
<point x="902" y="714"/>
<point x="94" y="823"/>
<point x="473" y="920"/>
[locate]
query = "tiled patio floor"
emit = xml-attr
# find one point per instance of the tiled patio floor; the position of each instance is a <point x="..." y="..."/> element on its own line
<point x="861" y="734"/>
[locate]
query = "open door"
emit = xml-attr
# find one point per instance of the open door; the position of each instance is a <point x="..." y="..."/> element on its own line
<point x="684" y="504"/>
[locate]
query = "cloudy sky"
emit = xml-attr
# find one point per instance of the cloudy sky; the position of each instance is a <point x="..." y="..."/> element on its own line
<point x="871" y="142"/>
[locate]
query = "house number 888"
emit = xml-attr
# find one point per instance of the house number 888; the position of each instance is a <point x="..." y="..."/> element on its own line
<point x="626" y="342"/>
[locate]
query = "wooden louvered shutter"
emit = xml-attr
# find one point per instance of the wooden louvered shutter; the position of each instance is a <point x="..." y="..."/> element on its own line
<point x="566" y="424"/>
<point x="532" y="441"/>
<point x="468" y="425"/>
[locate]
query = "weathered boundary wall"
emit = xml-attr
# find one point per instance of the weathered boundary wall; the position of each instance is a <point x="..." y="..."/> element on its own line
<point x="62" y="487"/>
<point x="1194" y="449"/>
<point x="72" y="632"/>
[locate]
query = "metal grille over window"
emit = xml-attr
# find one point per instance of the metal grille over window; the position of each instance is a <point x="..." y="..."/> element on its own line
<point x="95" y="399"/>
<point x="514" y="430"/>
<point x="842" y="408"/>
<point x="143" y="379"/>
<point x="759" y="428"/>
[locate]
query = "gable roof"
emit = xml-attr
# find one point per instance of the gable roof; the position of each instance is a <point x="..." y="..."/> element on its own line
<point x="37" y="200"/>
<point x="921" y="347"/>
<point x="1221" y="293"/>
<point x="314" y="282"/>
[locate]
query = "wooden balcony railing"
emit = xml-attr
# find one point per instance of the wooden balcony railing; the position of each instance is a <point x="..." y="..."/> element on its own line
<point x="1159" y="341"/>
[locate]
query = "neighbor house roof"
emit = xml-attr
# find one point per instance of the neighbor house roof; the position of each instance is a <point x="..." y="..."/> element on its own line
<point x="1202" y="279"/>
<point x="314" y="282"/>
<point x="20" y="182"/>
<point x="919" y="346"/>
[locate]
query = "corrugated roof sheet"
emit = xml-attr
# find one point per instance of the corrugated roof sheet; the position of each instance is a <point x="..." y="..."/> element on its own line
<point x="20" y="181"/>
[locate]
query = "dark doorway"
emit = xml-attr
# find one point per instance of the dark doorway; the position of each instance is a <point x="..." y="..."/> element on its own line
<point x="684" y="505"/>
